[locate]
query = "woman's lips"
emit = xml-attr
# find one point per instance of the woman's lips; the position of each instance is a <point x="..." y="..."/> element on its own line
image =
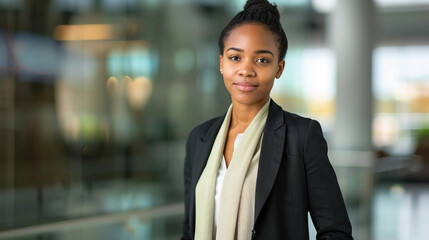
<point x="246" y="86"/>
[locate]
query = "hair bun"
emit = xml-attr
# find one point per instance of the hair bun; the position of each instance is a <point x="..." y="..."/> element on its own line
<point x="252" y="3"/>
<point x="263" y="4"/>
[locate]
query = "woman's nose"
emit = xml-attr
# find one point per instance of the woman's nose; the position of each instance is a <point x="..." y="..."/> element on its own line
<point x="246" y="69"/>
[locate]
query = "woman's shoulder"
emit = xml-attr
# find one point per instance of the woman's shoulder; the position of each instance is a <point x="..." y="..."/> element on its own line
<point x="300" y="124"/>
<point x="303" y="127"/>
<point x="295" y="117"/>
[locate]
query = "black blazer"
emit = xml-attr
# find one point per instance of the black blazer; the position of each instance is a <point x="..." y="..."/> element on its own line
<point x="294" y="177"/>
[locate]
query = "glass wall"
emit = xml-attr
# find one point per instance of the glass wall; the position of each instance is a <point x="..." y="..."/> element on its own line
<point x="97" y="98"/>
<point x="401" y="87"/>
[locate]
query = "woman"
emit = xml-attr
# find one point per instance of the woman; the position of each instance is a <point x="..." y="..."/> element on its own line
<point x="257" y="171"/>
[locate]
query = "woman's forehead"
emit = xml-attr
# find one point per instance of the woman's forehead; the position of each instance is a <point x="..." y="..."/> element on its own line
<point x="251" y="37"/>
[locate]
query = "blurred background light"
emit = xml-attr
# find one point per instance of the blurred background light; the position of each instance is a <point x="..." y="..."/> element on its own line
<point x="397" y="189"/>
<point x="386" y="130"/>
<point x="142" y="62"/>
<point x="324" y="6"/>
<point x="112" y="85"/>
<point x="116" y="62"/>
<point x="133" y="59"/>
<point x="84" y="32"/>
<point x="139" y="91"/>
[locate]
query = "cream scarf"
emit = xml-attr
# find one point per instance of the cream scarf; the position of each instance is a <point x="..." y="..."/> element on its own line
<point x="237" y="204"/>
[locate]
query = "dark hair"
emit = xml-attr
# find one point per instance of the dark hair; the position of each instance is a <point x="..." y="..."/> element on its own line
<point x="259" y="12"/>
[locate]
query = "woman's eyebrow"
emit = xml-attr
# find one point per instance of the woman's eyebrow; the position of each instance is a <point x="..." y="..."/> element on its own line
<point x="264" y="51"/>
<point x="235" y="49"/>
<point x="256" y="51"/>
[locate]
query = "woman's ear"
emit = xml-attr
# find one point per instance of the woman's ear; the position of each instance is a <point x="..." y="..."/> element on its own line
<point x="220" y="64"/>
<point x="280" y="69"/>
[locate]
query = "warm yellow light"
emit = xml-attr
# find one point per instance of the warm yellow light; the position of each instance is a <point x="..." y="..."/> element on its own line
<point x="139" y="91"/>
<point x="84" y="32"/>
<point x="112" y="85"/>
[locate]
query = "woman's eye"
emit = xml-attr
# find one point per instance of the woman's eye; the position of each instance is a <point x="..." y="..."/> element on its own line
<point x="234" y="58"/>
<point x="262" y="60"/>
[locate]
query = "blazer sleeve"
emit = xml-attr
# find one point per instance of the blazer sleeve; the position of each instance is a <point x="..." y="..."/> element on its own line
<point x="326" y="204"/>
<point x="187" y="174"/>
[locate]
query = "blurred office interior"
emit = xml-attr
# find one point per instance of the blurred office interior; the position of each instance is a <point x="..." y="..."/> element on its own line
<point x="97" y="98"/>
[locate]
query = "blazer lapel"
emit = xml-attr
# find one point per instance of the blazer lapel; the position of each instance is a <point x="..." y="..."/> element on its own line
<point x="271" y="155"/>
<point x="203" y="148"/>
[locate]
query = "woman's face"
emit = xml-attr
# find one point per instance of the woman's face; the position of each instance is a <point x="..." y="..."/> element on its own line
<point x="250" y="62"/>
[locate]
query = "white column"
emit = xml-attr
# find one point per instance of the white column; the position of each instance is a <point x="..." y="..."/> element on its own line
<point x="351" y="31"/>
<point x="351" y="28"/>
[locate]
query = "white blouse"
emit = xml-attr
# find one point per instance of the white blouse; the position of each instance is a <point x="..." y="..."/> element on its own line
<point x="219" y="181"/>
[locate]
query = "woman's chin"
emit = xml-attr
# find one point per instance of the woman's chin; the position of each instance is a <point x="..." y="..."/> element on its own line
<point x="249" y="101"/>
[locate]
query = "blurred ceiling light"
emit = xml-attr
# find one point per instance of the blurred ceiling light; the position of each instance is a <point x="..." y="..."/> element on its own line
<point x="84" y="32"/>
<point x="324" y="6"/>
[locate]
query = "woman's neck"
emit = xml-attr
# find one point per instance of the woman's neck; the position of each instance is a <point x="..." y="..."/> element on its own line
<point x="243" y="115"/>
